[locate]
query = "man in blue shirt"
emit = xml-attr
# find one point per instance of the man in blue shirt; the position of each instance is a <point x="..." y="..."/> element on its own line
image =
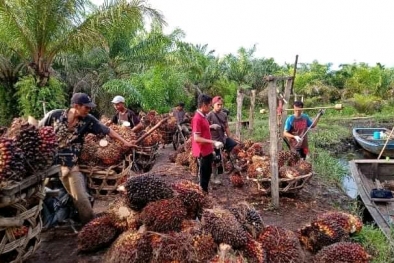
<point x="295" y="126"/>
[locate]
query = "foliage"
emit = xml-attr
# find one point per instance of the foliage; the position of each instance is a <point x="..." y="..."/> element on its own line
<point x="161" y="88"/>
<point x="376" y="244"/>
<point x="31" y="96"/>
<point x="367" y="104"/>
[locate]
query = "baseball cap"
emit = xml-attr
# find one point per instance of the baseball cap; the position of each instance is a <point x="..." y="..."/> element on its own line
<point x="82" y="99"/>
<point x="216" y="99"/>
<point x="118" y="99"/>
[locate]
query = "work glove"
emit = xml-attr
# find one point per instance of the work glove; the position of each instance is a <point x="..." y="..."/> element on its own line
<point x="215" y="126"/>
<point x="322" y="111"/>
<point x="218" y="144"/>
<point x="298" y="139"/>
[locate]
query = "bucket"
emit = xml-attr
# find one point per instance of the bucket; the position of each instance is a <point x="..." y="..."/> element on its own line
<point x="376" y="135"/>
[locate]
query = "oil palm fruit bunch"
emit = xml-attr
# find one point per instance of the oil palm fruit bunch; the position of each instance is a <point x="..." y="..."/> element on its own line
<point x="342" y="252"/>
<point x="110" y="154"/>
<point x="191" y="195"/>
<point x="288" y="172"/>
<point x="249" y="218"/>
<point x="98" y="233"/>
<point x="11" y="161"/>
<point x="303" y="167"/>
<point x="48" y="144"/>
<point x="203" y="245"/>
<point x="324" y="230"/>
<point x="236" y="179"/>
<point x="255" y="149"/>
<point x="131" y="246"/>
<point x="164" y="215"/>
<point x="28" y="140"/>
<point x="182" y="159"/>
<point x="142" y="189"/>
<point x="254" y="252"/>
<point x="348" y="222"/>
<point x="193" y="165"/>
<point x="89" y="150"/>
<point x="224" y="227"/>
<point x="294" y="157"/>
<point x="281" y="245"/>
<point x="173" y="247"/>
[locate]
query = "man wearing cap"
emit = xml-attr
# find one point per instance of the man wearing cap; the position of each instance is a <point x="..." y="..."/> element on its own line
<point x="123" y="114"/>
<point x="71" y="125"/>
<point x="201" y="140"/>
<point x="220" y="131"/>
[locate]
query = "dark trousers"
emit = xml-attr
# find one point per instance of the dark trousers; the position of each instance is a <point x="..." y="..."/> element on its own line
<point x="205" y="171"/>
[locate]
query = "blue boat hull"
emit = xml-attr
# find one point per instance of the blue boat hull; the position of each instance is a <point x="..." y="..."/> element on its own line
<point x="364" y="137"/>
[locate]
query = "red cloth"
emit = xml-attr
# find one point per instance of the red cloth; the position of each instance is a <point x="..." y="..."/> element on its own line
<point x="216" y="99"/>
<point x="200" y="125"/>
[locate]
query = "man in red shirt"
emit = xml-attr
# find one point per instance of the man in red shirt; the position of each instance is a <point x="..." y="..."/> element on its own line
<point x="202" y="144"/>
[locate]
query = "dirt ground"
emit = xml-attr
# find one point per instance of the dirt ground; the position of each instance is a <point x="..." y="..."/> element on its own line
<point x="59" y="244"/>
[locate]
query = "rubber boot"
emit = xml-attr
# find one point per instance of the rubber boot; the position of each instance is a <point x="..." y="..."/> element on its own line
<point x="215" y="176"/>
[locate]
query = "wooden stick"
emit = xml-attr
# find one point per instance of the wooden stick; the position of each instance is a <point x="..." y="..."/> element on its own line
<point x="336" y="107"/>
<point x="385" y="144"/>
<point x="151" y="130"/>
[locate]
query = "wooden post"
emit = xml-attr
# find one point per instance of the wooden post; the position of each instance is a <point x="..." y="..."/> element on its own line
<point x="273" y="141"/>
<point x="289" y="84"/>
<point x="238" y="125"/>
<point x="251" y="111"/>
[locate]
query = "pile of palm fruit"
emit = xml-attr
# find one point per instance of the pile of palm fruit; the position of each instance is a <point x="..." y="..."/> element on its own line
<point x="25" y="149"/>
<point x="155" y="221"/>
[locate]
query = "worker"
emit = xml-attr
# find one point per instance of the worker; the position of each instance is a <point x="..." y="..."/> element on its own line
<point x="124" y="115"/>
<point x="295" y="127"/>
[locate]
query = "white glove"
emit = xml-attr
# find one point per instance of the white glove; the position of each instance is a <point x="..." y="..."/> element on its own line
<point x="215" y="126"/>
<point x="298" y="139"/>
<point x="218" y="144"/>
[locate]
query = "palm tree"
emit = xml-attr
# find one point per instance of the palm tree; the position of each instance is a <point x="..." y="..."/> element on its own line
<point x="39" y="30"/>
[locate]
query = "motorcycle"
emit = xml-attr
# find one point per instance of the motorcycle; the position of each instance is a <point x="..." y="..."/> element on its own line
<point x="182" y="134"/>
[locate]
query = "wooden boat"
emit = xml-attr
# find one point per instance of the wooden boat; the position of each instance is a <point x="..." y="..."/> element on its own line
<point x="364" y="137"/>
<point x="373" y="174"/>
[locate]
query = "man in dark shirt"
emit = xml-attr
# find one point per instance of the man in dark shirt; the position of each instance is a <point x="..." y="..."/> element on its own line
<point x="124" y="114"/>
<point x="220" y="131"/>
<point x="71" y="125"/>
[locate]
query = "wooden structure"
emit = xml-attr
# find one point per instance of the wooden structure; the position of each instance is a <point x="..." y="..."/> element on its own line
<point x="364" y="137"/>
<point x="373" y="174"/>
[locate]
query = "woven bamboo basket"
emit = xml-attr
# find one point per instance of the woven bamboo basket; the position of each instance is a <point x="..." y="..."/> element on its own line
<point x="104" y="181"/>
<point x="168" y="137"/>
<point x="286" y="185"/>
<point x="144" y="158"/>
<point x="20" y="229"/>
<point x="13" y="191"/>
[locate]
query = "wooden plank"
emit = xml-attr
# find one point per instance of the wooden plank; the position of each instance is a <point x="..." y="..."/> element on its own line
<point x="251" y="111"/>
<point x="31" y="180"/>
<point x="383" y="200"/>
<point x="240" y="97"/>
<point x="273" y="143"/>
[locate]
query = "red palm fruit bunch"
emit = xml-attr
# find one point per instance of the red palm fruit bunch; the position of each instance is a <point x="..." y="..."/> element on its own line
<point x="281" y="245"/>
<point x="164" y="215"/>
<point x="193" y="165"/>
<point x="303" y="167"/>
<point x="236" y="179"/>
<point x="172" y="248"/>
<point x="98" y="233"/>
<point x="142" y="189"/>
<point x="223" y="227"/>
<point x="255" y="149"/>
<point x="110" y="154"/>
<point x="249" y="218"/>
<point x="192" y="196"/>
<point x="228" y="259"/>
<point x="131" y="246"/>
<point x="204" y="245"/>
<point x="283" y="157"/>
<point x="253" y="251"/>
<point x="260" y="167"/>
<point x="154" y="138"/>
<point x="48" y="145"/>
<point x="342" y="252"/>
<point x="288" y="172"/>
<point x="293" y="159"/>
<point x="11" y="161"/>
<point x="329" y="228"/>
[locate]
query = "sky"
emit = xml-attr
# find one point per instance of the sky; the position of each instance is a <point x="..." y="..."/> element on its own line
<point x="331" y="31"/>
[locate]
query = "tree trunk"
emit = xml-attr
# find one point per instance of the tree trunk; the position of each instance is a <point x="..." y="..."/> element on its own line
<point x="238" y="125"/>
<point x="251" y="111"/>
